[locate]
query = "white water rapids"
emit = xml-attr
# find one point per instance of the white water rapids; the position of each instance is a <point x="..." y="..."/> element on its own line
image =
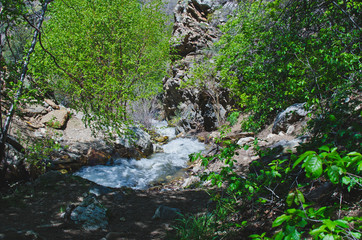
<point x="140" y="174"/>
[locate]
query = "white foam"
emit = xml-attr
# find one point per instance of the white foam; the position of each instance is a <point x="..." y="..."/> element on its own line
<point x="162" y="128"/>
<point x="140" y="174"/>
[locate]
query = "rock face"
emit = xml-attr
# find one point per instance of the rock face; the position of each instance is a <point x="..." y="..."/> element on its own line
<point x="195" y="31"/>
<point x="289" y="116"/>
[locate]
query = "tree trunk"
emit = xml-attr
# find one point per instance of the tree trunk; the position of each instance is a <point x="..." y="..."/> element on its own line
<point x="5" y="128"/>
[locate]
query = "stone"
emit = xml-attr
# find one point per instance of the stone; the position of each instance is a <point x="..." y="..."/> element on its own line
<point x="96" y="157"/>
<point x="56" y="119"/>
<point x="288" y="117"/>
<point x="161" y="139"/>
<point x="243" y="141"/>
<point x="239" y="134"/>
<point x="135" y="145"/>
<point x="34" y="110"/>
<point x="99" y="190"/>
<point x="190" y="118"/>
<point x="168" y="213"/>
<point x="320" y="192"/>
<point x="90" y="214"/>
<point x="190" y="181"/>
<point x="291" y="129"/>
<point x="52" y="104"/>
<point x="157" y="148"/>
<point x="285" y="146"/>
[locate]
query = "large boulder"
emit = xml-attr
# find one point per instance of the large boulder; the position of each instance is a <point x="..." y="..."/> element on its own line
<point x="135" y="144"/>
<point x="56" y="119"/>
<point x="288" y="117"/>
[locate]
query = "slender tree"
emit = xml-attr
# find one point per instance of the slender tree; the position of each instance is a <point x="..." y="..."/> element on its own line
<point x="5" y="127"/>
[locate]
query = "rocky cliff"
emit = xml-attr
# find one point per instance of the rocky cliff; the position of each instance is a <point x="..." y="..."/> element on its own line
<point x="195" y="30"/>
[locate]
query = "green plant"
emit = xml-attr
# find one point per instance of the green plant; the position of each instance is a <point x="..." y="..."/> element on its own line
<point x="54" y="123"/>
<point x="40" y="151"/>
<point x="233" y="118"/>
<point x="344" y="170"/>
<point x="200" y="227"/>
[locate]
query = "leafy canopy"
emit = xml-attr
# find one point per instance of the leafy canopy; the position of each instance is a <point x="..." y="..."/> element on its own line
<point x="103" y="54"/>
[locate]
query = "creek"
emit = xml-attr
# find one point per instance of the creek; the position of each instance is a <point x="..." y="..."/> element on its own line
<point x="141" y="174"/>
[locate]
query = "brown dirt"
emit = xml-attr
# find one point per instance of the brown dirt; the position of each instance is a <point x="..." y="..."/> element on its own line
<point x="38" y="206"/>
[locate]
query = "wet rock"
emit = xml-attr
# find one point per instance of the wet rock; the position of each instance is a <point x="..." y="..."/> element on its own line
<point x="289" y="116"/>
<point x="90" y="214"/>
<point x="190" y="118"/>
<point x="67" y="162"/>
<point x="161" y="139"/>
<point x="95" y="157"/>
<point x="164" y="212"/>
<point x="48" y="178"/>
<point x="157" y="148"/>
<point x="135" y="145"/>
<point x="56" y="119"/>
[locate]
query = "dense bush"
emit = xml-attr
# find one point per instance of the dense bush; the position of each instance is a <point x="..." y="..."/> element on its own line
<point x="277" y="53"/>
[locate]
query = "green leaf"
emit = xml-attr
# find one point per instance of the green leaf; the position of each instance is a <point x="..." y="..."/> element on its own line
<point x="279" y="220"/>
<point x="328" y="237"/>
<point x="333" y="174"/>
<point x="313" y="166"/>
<point x="300" y="196"/>
<point x="342" y="223"/>
<point x="279" y="236"/>
<point x="346" y="180"/>
<point x="318" y="231"/>
<point x="290" y="198"/>
<point x="302" y="223"/>
<point x="330" y="224"/>
<point x="324" y="148"/>
<point x="357" y="235"/>
<point x="302" y="157"/>
<point x="354" y="154"/>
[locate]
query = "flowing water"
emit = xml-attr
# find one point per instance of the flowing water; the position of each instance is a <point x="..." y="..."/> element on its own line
<point x="140" y="174"/>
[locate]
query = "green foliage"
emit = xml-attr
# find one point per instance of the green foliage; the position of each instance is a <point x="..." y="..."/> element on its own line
<point x="339" y="170"/>
<point x="273" y="180"/>
<point x="233" y="118"/>
<point x="276" y="53"/>
<point x="106" y="54"/>
<point x="40" y="151"/>
<point x="201" y="227"/>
